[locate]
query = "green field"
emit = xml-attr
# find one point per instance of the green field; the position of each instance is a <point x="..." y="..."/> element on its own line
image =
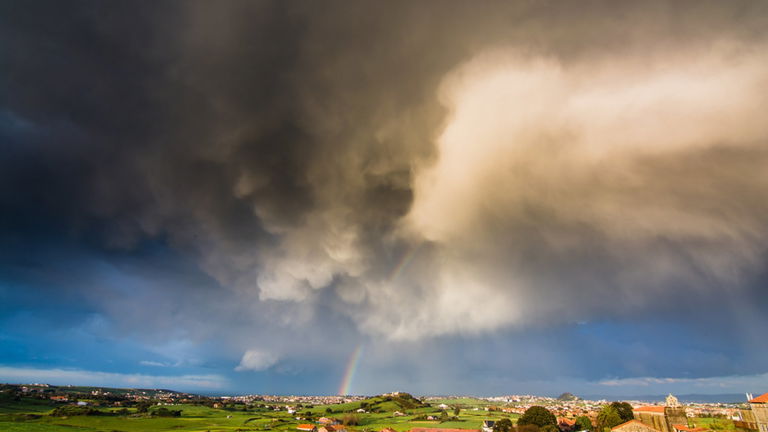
<point x="33" y="415"/>
<point x="714" y="423"/>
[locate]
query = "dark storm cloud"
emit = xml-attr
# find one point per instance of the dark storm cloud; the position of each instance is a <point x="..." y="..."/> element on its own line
<point x="285" y="159"/>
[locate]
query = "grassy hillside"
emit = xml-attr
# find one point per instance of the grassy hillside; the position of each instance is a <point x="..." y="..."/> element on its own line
<point x="402" y="402"/>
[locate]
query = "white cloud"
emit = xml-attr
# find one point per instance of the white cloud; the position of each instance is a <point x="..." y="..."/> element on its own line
<point x="109" y="379"/>
<point x="256" y="360"/>
<point x="154" y="363"/>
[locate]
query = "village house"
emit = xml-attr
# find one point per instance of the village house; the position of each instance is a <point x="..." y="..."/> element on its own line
<point x="332" y="428"/>
<point x="306" y="427"/>
<point x="663" y="418"/>
<point x="759" y="407"/>
<point x="566" y="424"/>
<point x="652" y="416"/>
<point x="745" y="420"/>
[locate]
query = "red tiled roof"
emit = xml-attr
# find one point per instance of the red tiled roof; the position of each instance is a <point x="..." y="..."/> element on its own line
<point x="632" y="421"/>
<point x="305" y="426"/>
<point x="686" y="428"/>
<point x="656" y="409"/>
<point x="760" y="399"/>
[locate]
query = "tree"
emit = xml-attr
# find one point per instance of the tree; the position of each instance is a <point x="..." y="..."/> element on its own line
<point x="142" y="407"/>
<point x="583" y="423"/>
<point x="456" y="411"/>
<point x="537" y="415"/>
<point x="625" y="411"/>
<point x="608" y="418"/>
<point x="503" y="425"/>
<point x="165" y="412"/>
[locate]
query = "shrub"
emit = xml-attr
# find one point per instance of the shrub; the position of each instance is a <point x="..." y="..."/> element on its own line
<point x="350" y="420"/>
<point x="537" y="415"/>
<point x="72" y="410"/>
<point x="165" y="412"/>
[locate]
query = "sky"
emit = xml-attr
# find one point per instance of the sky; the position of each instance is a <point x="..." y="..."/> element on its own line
<point x="360" y="197"/>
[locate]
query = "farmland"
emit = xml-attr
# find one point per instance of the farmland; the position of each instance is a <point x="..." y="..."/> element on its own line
<point x="42" y="407"/>
<point x="30" y="414"/>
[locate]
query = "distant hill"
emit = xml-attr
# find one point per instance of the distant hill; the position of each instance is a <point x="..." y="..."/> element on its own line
<point x="567" y="397"/>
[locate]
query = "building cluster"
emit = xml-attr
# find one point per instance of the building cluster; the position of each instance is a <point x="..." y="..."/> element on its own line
<point x="673" y="417"/>
<point x="303" y="400"/>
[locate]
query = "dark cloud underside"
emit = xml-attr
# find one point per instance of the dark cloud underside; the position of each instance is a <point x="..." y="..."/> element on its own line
<point x="370" y="170"/>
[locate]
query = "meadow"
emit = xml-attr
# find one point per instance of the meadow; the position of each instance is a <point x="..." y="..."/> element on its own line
<point x="34" y="415"/>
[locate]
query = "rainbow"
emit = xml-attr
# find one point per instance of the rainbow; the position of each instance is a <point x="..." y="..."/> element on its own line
<point x="354" y="358"/>
<point x="349" y="373"/>
<point x="403" y="264"/>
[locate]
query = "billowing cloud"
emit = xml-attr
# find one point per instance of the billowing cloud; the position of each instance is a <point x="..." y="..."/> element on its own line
<point x="568" y="190"/>
<point x="561" y="190"/>
<point x="207" y="178"/>
<point x="255" y="360"/>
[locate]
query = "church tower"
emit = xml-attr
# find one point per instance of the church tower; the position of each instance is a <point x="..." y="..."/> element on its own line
<point x="672" y="401"/>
